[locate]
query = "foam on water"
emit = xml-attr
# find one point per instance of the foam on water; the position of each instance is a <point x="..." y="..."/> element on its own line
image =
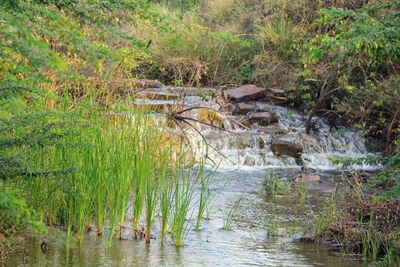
<point x="240" y="147"/>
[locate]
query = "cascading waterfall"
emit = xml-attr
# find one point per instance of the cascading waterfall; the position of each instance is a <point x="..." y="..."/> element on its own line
<point x="252" y="147"/>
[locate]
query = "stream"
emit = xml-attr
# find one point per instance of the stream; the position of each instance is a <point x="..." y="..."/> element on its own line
<point x="264" y="231"/>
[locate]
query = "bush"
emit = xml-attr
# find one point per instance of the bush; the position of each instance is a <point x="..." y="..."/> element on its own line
<point x="15" y="219"/>
<point x="58" y="3"/>
<point x="353" y="63"/>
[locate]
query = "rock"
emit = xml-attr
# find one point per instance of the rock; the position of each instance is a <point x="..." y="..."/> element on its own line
<point x="245" y="92"/>
<point x="192" y="91"/>
<point x="250" y="140"/>
<point x="281" y="147"/>
<point x="154" y="90"/>
<point x="273" y="130"/>
<point x="276" y="95"/>
<point x="276" y="91"/>
<point x="307" y="178"/>
<point x="162" y="106"/>
<point x="145" y="83"/>
<point x="244" y="108"/>
<point x="262" y="118"/>
<point x="158" y="94"/>
<point x="225" y="106"/>
<point x="211" y="117"/>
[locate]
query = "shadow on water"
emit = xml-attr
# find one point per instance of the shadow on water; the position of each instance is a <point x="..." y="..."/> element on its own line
<point x="262" y="234"/>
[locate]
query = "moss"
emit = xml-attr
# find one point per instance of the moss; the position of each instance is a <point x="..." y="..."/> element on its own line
<point x="211" y="117"/>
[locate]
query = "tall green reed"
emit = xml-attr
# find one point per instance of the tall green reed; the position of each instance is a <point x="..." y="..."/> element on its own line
<point x="166" y="197"/>
<point x="121" y="165"/>
<point x="150" y="145"/>
<point x="232" y="213"/>
<point x="111" y="159"/>
<point x="205" y="195"/>
<point x="183" y="195"/>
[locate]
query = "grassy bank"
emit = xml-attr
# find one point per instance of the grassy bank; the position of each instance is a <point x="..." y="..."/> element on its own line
<point x="360" y="226"/>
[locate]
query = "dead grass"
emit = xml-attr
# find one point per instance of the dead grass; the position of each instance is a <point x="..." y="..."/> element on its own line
<point x="365" y="227"/>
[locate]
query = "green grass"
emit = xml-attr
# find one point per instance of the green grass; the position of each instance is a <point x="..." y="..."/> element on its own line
<point x="231" y="214"/>
<point x="329" y="214"/>
<point x="182" y="198"/>
<point x="205" y="196"/>
<point x="107" y="163"/>
<point x="166" y="198"/>
<point x="272" y="228"/>
<point x="301" y="191"/>
<point x="275" y="186"/>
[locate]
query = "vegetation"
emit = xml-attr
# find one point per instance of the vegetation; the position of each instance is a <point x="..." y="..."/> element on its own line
<point x="69" y="69"/>
<point x="361" y="76"/>
<point x="275" y="186"/>
<point x="232" y="214"/>
<point x="15" y="219"/>
<point x="349" y="218"/>
<point x="328" y="55"/>
<point x="387" y="178"/>
<point x="205" y="197"/>
<point x="183" y="195"/>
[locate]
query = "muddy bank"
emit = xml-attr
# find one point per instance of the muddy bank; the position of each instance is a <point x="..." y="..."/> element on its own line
<point x="363" y="227"/>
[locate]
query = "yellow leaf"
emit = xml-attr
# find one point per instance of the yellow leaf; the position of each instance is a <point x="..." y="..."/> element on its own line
<point x="100" y="67"/>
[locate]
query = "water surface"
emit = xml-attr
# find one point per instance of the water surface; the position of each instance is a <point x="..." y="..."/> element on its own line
<point x="262" y="234"/>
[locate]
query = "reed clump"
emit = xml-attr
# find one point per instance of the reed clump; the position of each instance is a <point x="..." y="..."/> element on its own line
<point x="113" y="164"/>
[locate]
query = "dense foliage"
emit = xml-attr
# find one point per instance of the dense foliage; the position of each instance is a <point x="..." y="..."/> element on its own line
<point x="333" y="55"/>
<point x="355" y="54"/>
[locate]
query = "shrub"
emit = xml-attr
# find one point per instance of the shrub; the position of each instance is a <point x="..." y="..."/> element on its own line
<point x="15" y="219"/>
<point x="353" y="62"/>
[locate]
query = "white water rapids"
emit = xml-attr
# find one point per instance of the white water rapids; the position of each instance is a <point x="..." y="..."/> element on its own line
<point x="239" y="147"/>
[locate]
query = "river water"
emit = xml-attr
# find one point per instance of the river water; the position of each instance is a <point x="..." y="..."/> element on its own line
<point x="263" y="232"/>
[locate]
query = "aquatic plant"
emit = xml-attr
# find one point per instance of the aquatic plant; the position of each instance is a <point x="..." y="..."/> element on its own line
<point x="166" y="198"/>
<point x="209" y="207"/>
<point x="121" y="174"/>
<point x="138" y="201"/>
<point x="150" y="174"/>
<point x="183" y="194"/>
<point x="272" y="228"/>
<point x="231" y="214"/>
<point x="205" y="195"/>
<point x="275" y="186"/>
<point x="329" y="213"/>
<point x="301" y="192"/>
<point x="107" y="163"/>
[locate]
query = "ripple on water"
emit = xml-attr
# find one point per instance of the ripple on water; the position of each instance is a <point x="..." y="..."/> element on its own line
<point x="249" y="243"/>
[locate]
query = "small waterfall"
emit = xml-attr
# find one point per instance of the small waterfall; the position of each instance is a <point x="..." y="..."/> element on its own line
<point x="239" y="146"/>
